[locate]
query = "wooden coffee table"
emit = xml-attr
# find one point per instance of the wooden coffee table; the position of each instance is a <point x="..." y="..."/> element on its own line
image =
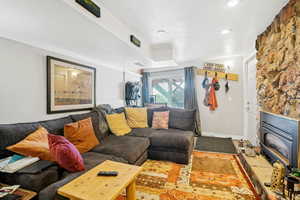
<point x="26" y="194"/>
<point x="90" y="186"/>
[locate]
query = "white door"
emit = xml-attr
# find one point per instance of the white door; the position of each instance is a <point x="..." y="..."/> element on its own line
<point x="251" y="101"/>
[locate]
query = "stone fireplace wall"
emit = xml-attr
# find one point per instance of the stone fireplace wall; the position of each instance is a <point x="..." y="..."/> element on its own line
<point x="278" y="66"/>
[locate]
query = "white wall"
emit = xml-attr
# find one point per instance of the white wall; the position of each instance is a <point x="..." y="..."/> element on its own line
<point x="23" y="83"/>
<point x="227" y="120"/>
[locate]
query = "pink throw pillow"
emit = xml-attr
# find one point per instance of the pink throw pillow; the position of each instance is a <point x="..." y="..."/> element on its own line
<point x="65" y="153"/>
<point x="160" y="120"/>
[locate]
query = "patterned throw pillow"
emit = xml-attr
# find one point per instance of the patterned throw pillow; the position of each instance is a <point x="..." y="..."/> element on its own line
<point x="117" y="124"/>
<point x="136" y="117"/>
<point x="160" y="120"/>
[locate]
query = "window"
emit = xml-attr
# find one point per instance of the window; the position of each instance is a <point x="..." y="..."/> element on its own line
<point x="168" y="89"/>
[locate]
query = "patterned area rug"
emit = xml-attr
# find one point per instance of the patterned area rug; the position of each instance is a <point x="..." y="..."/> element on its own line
<point x="209" y="176"/>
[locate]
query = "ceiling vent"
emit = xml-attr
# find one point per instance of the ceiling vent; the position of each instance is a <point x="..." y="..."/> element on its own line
<point x="162" y="52"/>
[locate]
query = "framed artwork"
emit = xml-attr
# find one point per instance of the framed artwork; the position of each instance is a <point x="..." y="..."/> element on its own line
<point x="70" y="86"/>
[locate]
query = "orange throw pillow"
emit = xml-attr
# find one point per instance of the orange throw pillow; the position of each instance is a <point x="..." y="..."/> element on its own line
<point x="34" y="145"/>
<point x="82" y="135"/>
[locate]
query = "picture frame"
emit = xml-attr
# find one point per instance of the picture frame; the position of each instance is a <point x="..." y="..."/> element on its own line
<point x="70" y="86"/>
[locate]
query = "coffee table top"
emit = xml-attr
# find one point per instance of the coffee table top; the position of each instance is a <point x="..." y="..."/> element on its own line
<point x="26" y="194"/>
<point x="91" y="186"/>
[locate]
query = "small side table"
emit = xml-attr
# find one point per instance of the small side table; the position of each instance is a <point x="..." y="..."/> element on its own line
<point x="26" y="194"/>
<point x="290" y="186"/>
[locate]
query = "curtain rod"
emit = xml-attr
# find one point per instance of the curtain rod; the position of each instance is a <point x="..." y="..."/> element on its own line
<point x="167" y="70"/>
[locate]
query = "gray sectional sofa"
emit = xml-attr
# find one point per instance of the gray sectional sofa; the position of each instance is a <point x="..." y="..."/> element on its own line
<point x="175" y="144"/>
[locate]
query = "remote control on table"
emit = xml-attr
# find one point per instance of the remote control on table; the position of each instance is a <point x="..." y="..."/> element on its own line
<point x="108" y="173"/>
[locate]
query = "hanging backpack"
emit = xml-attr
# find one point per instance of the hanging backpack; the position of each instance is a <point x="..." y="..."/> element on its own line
<point x="226" y="84"/>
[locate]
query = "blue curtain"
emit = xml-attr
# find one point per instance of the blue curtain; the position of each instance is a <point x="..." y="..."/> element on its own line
<point x="190" y="96"/>
<point x="145" y="88"/>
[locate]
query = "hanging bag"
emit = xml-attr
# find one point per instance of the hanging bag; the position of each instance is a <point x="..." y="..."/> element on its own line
<point x="205" y="82"/>
<point x="206" y="98"/>
<point x="216" y="83"/>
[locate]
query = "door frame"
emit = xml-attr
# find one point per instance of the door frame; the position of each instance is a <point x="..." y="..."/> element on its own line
<point x="246" y="62"/>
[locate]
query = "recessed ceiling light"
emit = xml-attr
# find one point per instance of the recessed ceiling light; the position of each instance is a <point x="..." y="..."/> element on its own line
<point x="233" y="3"/>
<point x="226" y="31"/>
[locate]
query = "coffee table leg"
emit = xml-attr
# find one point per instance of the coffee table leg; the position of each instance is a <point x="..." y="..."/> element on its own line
<point x="130" y="191"/>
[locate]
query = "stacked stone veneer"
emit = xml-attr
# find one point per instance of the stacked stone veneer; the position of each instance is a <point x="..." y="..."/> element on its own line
<point x="278" y="66"/>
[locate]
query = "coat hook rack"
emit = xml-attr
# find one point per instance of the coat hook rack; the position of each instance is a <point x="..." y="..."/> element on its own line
<point x="219" y="75"/>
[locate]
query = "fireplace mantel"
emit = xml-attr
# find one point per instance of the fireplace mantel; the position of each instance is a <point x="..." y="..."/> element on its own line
<point x="280" y="116"/>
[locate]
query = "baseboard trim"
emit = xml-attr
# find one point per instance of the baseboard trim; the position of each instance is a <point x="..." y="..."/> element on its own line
<point x="222" y="135"/>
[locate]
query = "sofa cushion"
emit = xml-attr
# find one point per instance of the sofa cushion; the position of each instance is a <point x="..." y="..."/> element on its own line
<point x="141" y="132"/>
<point x="37" y="167"/>
<point x="13" y="133"/>
<point x="172" y="139"/>
<point x="126" y="147"/>
<point x="182" y="119"/>
<point x="56" y="126"/>
<point x="91" y="160"/>
<point x="35" y="182"/>
<point x="150" y="112"/>
<point x="95" y="121"/>
<point x="170" y="155"/>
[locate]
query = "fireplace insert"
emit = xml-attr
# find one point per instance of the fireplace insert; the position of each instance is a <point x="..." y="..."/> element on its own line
<point x="279" y="139"/>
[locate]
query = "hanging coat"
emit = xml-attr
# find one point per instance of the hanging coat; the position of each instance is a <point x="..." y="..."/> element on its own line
<point x="213" y="103"/>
